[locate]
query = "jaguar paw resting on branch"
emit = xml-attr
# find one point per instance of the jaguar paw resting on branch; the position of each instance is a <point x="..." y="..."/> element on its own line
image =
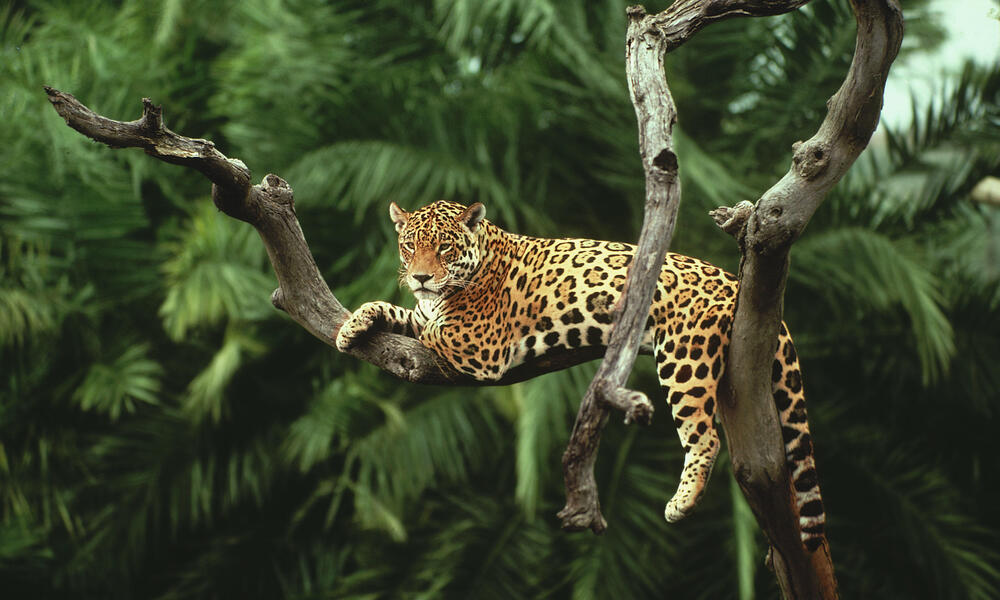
<point x="489" y="300"/>
<point x="495" y="308"/>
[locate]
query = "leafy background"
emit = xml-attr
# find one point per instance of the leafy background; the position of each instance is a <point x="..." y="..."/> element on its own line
<point x="165" y="433"/>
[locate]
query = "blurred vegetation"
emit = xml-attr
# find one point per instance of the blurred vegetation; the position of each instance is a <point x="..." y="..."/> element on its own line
<point x="165" y="433"/>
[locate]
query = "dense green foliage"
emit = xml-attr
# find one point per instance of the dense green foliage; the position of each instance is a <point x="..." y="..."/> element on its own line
<point x="165" y="433"/>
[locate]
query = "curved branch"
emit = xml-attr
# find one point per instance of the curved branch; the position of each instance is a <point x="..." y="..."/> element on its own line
<point x="655" y="111"/>
<point x="269" y="206"/>
<point x="648" y="39"/>
<point x="765" y="235"/>
<point x="684" y="18"/>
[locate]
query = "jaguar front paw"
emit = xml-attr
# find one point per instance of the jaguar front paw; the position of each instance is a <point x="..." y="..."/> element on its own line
<point x="357" y="327"/>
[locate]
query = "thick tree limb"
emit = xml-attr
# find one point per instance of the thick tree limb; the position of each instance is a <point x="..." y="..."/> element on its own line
<point x="747" y="412"/>
<point x="759" y="467"/>
<point x="654" y="107"/>
<point x="269" y="207"/>
<point x="648" y="39"/>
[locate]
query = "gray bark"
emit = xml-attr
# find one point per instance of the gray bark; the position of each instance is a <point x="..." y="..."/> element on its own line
<point x="753" y="433"/>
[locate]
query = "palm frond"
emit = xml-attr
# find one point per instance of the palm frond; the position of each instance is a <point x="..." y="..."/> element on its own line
<point x="115" y="388"/>
<point x="364" y="176"/>
<point x="343" y="410"/>
<point x="858" y="269"/>
<point x="957" y="554"/>
<point x="481" y="30"/>
<point x="744" y="529"/>
<point x="214" y="274"/>
<point x="205" y="397"/>
<point x="927" y="170"/>
<point x="441" y="439"/>
<point x="543" y="408"/>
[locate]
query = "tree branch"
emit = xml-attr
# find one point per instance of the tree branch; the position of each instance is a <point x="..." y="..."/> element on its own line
<point x="765" y="234"/>
<point x="819" y="163"/>
<point x="269" y="207"/>
<point x="648" y="39"/>
<point x="654" y="108"/>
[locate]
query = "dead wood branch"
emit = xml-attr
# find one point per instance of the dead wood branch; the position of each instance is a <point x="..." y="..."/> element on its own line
<point x="819" y="163"/>
<point x="648" y="39"/>
<point x="269" y="207"/>
<point x="765" y="235"/>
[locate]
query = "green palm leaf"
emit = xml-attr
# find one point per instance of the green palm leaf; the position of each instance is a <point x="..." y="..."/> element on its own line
<point x="114" y="388"/>
<point x="214" y="274"/>
<point x="858" y="269"/>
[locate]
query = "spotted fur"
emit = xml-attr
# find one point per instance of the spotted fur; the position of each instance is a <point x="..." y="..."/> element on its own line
<point x="488" y="300"/>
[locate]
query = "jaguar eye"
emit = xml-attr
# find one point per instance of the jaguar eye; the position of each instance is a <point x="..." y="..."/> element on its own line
<point x="408" y="246"/>
<point x="444" y="248"/>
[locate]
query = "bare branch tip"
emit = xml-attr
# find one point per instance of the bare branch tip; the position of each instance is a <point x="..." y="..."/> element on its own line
<point x="272" y="181"/>
<point x="635" y="405"/>
<point x="732" y="219"/>
<point x="582" y="518"/>
<point x="277" y="189"/>
<point x="58" y="99"/>
<point x="152" y="117"/>
<point x="278" y="299"/>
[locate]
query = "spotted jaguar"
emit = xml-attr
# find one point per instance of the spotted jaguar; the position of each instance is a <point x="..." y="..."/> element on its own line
<point x="489" y="300"/>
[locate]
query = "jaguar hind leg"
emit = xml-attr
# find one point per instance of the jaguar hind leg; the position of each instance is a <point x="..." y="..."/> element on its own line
<point x="689" y="369"/>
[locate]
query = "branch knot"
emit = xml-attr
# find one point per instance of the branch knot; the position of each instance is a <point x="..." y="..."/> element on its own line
<point x="151" y="121"/>
<point x="636" y="11"/>
<point x="733" y="219"/>
<point x="810" y="158"/>
<point x="666" y="160"/>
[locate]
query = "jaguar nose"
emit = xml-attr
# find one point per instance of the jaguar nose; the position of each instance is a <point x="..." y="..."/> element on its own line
<point x="421" y="277"/>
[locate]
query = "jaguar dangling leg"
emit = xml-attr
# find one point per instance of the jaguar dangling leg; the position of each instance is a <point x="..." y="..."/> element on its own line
<point x="689" y="367"/>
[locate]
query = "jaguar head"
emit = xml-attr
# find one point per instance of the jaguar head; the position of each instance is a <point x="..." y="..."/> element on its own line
<point x="437" y="246"/>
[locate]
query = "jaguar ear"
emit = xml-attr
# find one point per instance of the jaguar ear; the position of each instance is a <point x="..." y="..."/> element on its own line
<point x="471" y="216"/>
<point x="398" y="216"/>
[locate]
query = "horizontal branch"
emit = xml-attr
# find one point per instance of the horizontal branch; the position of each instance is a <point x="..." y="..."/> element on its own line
<point x="269" y="207"/>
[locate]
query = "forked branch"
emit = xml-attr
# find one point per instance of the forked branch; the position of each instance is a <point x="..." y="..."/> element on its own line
<point x="748" y="413"/>
<point x="648" y="39"/>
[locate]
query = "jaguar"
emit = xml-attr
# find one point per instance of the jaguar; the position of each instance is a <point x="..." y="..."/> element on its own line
<point x="488" y="300"/>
